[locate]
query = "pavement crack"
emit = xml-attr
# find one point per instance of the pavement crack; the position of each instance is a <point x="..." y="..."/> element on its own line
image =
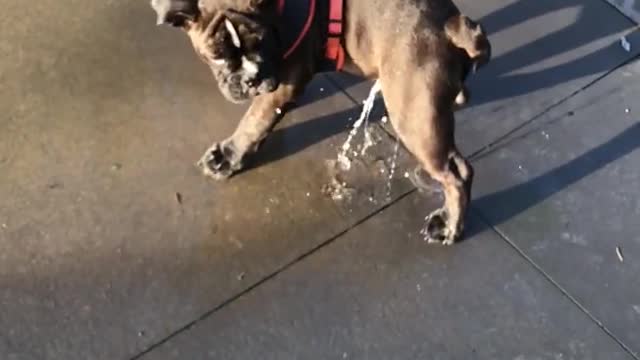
<point x="341" y="88"/>
<point x="553" y="282"/>
<point x="505" y="136"/>
<point x="267" y="277"/>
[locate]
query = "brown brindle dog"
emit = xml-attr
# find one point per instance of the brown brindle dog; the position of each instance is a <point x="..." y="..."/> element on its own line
<point x="420" y="51"/>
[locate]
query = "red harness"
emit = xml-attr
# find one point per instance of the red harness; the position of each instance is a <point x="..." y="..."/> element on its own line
<point x="334" y="50"/>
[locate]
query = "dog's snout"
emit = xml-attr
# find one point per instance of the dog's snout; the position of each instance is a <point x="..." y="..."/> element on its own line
<point x="235" y="79"/>
<point x="235" y="88"/>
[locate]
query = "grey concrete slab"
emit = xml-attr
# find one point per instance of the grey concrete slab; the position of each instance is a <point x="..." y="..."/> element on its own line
<point x="543" y="51"/>
<point x="565" y="191"/>
<point x="110" y="239"/>
<point x="380" y="293"/>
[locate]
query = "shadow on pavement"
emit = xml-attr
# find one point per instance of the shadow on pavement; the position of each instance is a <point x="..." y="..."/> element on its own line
<point x="517" y="199"/>
<point x="284" y="142"/>
<point x="506" y="85"/>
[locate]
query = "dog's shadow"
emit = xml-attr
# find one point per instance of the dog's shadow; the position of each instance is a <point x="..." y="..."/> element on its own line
<point x="289" y="139"/>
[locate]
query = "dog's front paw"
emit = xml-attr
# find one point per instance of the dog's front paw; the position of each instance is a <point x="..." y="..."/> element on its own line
<point x="220" y="161"/>
<point x="437" y="229"/>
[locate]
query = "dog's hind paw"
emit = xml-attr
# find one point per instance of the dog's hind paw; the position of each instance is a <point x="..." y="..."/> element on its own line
<point x="437" y="230"/>
<point x="219" y="162"/>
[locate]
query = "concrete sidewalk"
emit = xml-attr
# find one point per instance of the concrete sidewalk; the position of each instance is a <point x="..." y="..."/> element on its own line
<point x="113" y="246"/>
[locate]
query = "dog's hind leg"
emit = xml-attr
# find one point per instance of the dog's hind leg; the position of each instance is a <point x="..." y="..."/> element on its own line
<point x="423" y="120"/>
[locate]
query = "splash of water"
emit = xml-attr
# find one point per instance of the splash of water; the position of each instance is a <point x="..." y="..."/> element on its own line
<point x="368" y="140"/>
<point x="392" y="168"/>
<point x="343" y="159"/>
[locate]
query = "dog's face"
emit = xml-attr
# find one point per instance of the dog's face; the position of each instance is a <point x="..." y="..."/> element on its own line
<point x="241" y="52"/>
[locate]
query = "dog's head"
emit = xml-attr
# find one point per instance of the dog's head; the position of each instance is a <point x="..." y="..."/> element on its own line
<point x="242" y="54"/>
<point x="240" y="50"/>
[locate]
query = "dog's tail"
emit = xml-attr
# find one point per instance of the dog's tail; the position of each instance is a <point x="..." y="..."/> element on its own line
<point x="468" y="35"/>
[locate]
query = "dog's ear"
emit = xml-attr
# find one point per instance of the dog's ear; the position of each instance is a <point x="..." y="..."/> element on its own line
<point x="176" y="13"/>
<point x="244" y="30"/>
<point x="233" y="32"/>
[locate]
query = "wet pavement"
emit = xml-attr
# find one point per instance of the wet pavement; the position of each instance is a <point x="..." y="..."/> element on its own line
<point x="113" y="246"/>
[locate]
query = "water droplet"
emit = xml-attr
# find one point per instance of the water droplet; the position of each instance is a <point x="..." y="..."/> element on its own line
<point x="392" y="169"/>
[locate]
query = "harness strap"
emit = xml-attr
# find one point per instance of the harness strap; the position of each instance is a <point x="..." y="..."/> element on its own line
<point x="305" y="28"/>
<point x="334" y="50"/>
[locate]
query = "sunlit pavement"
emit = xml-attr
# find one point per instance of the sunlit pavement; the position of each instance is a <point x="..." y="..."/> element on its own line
<point x="113" y="246"/>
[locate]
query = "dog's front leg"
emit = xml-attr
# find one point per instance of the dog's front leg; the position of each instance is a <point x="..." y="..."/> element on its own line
<point x="225" y="158"/>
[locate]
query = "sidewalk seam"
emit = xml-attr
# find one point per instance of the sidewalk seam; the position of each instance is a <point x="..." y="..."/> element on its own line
<point x="339" y="87"/>
<point x="487" y="148"/>
<point x="189" y="325"/>
<point x="550" y="279"/>
<point x="629" y="17"/>
<point x="546" y="110"/>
